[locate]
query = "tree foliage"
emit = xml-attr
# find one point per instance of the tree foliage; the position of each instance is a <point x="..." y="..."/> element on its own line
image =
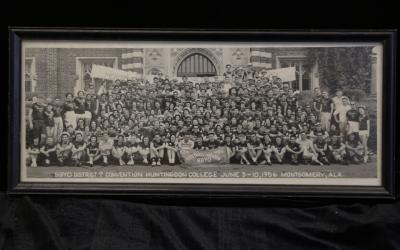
<point x="342" y="67"/>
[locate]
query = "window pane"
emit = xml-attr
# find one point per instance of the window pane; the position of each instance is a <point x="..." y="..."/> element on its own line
<point x="192" y="64"/>
<point x="196" y="65"/>
<point x="201" y="60"/>
<point x="295" y="84"/>
<point x="28" y="86"/>
<point x="28" y="66"/>
<point x="297" y="64"/>
<point x="285" y="64"/>
<point x="306" y="84"/>
<point x="87" y="79"/>
<point x="306" y="81"/>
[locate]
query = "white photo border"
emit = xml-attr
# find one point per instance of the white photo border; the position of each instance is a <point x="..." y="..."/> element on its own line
<point x="265" y="181"/>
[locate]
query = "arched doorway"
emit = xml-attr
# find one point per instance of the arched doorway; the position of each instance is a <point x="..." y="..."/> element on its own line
<point x="205" y="53"/>
<point x="196" y="65"/>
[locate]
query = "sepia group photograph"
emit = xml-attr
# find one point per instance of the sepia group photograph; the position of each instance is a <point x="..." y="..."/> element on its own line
<point x="201" y="112"/>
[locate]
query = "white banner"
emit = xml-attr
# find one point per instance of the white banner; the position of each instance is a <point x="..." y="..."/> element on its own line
<point x="112" y="74"/>
<point x="286" y="74"/>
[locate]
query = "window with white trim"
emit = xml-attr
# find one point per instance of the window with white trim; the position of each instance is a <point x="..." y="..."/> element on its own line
<point x="303" y="80"/>
<point x="28" y="75"/>
<point x="89" y="84"/>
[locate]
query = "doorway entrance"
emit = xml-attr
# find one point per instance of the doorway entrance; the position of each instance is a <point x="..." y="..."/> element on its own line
<point x="196" y="65"/>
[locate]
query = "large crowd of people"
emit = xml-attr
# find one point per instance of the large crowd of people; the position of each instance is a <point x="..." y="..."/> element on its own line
<point x="255" y="116"/>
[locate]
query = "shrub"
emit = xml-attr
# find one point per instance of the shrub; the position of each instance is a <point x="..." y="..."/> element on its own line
<point x="359" y="96"/>
<point x="355" y="94"/>
<point x="306" y="97"/>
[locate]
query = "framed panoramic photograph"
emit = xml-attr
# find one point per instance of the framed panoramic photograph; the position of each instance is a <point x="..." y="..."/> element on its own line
<point x="235" y="113"/>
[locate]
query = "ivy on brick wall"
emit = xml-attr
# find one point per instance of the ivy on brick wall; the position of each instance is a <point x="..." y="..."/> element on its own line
<point x="342" y="67"/>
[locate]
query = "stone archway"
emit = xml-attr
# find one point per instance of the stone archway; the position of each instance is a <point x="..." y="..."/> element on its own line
<point x="206" y="52"/>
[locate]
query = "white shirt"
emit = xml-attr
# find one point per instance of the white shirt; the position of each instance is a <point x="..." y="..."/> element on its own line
<point x="306" y="144"/>
<point x="186" y="145"/>
<point x="106" y="145"/>
<point x="338" y="102"/>
<point x="342" y="110"/>
<point x="227" y="87"/>
<point x="102" y="90"/>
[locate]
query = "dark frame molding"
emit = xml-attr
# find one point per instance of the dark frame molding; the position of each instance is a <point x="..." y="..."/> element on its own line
<point x="387" y="37"/>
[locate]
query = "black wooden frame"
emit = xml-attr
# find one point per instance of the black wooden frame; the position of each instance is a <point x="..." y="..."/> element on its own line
<point x="387" y="37"/>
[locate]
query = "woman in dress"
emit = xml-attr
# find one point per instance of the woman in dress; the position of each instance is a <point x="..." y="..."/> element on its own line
<point x="102" y="89"/>
<point x="122" y="101"/>
<point x="364" y="130"/>
<point x="88" y="109"/>
<point x="80" y="107"/>
<point x="92" y="150"/>
<point x="93" y="127"/>
<point x="87" y="134"/>
<point x="80" y="125"/>
<point x="69" y="111"/>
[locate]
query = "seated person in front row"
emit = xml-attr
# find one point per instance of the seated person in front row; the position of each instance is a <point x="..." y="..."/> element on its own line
<point x="354" y="148"/>
<point x="131" y="148"/>
<point x="34" y="152"/>
<point x="336" y="150"/>
<point x="171" y="147"/>
<point x="309" y="152"/>
<point x="266" y="149"/>
<point x="105" y="147"/>
<point x="157" y="150"/>
<point x="321" y="147"/>
<point x="255" y="148"/>
<point x="92" y="150"/>
<point x="49" y="151"/>
<point x="294" y="149"/>
<point x="241" y="149"/>
<point x="144" y="150"/>
<point x="279" y="150"/>
<point x="118" y="150"/>
<point x="230" y="146"/>
<point x="78" y="149"/>
<point x="63" y="149"/>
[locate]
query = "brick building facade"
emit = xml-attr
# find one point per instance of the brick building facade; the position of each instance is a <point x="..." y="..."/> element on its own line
<point x="56" y="71"/>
